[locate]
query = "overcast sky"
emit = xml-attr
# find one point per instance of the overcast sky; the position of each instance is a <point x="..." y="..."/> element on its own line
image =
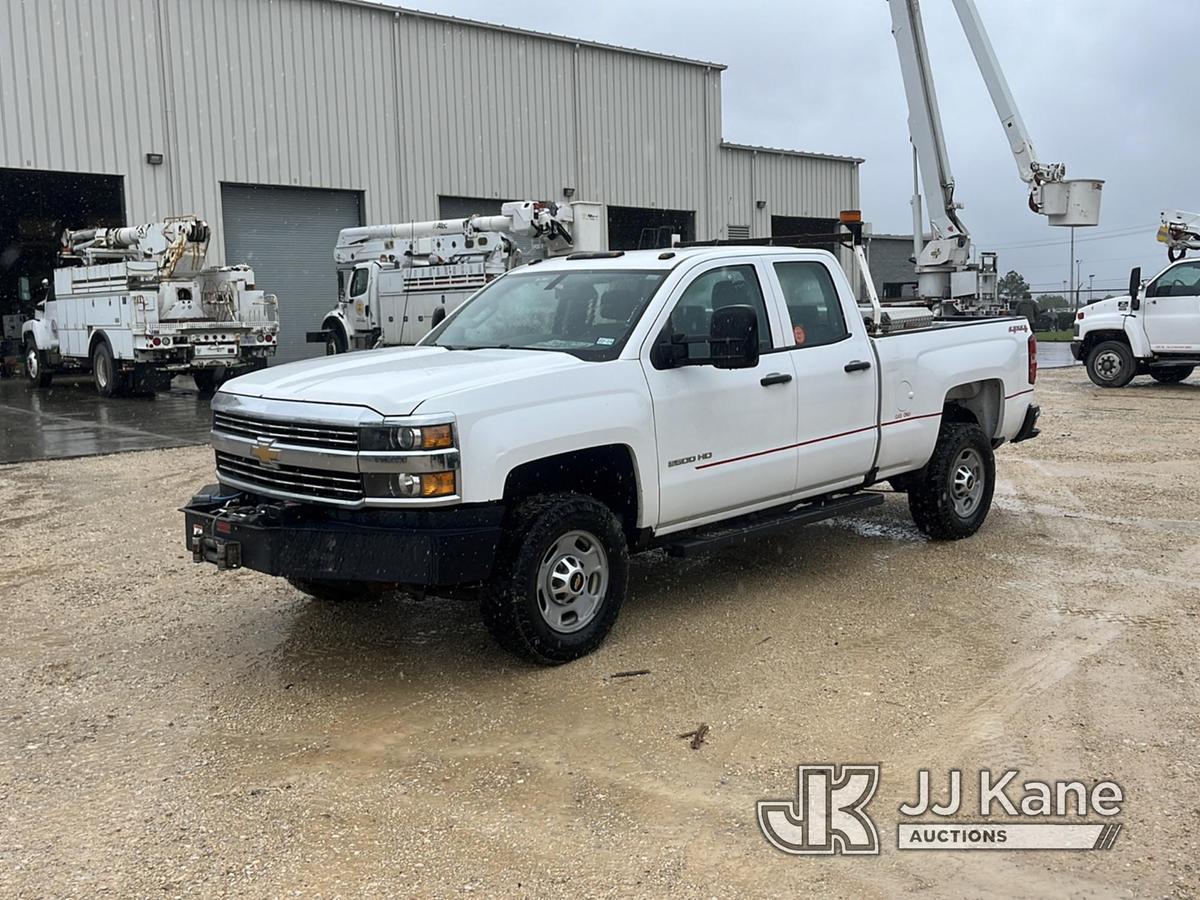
<point x="1103" y="85"/>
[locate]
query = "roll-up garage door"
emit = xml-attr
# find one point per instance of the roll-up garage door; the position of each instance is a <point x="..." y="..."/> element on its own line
<point x="287" y="236"/>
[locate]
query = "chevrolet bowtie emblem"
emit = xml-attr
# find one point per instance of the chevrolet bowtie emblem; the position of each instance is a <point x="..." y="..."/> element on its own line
<point x="264" y="451"/>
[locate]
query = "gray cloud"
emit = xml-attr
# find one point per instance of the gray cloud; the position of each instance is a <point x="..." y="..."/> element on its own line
<point x="1104" y="86"/>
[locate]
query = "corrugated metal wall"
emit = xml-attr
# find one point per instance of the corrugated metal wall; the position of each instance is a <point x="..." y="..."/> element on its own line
<point x="400" y="106"/>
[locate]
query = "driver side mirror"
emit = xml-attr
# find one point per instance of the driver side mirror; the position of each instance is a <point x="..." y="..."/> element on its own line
<point x="733" y="337"/>
<point x="1135" y="286"/>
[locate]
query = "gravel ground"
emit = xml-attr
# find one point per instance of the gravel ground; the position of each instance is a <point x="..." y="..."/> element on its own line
<point x="169" y="729"/>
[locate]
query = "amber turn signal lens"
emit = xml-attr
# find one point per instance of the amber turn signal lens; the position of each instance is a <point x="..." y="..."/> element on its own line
<point x="437" y="437"/>
<point x="438" y="484"/>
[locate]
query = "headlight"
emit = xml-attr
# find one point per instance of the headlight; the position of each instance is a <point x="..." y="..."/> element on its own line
<point x="405" y="486"/>
<point x="407" y="437"/>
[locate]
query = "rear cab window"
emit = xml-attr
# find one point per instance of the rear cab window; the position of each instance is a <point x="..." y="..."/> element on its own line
<point x="813" y="306"/>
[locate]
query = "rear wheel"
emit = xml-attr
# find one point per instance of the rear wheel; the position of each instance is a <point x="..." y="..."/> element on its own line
<point x="332" y="591"/>
<point x="105" y="377"/>
<point x="35" y="367"/>
<point x="950" y="498"/>
<point x="1111" y="364"/>
<point x="1171" y="374"/>
<point x="561" y="576"/>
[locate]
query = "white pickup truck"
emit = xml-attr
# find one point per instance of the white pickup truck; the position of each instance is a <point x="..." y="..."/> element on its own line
<point x="582" y="408"/>
<point x="1153" y="331"/>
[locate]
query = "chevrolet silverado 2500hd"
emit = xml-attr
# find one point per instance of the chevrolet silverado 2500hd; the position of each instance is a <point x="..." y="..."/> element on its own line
<point x="586" y="407"/>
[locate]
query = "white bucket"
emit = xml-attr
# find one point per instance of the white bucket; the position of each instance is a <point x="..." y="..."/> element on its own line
<point x="1075" y="202"/>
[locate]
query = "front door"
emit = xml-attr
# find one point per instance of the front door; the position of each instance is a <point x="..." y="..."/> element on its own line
<point x="1171" y="310"/>
<point x="726" y="437"/>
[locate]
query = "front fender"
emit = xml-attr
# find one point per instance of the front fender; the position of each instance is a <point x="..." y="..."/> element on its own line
<point x="41" y="332"/>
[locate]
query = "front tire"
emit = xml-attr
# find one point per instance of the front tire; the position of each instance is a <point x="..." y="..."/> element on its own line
<point x="1171" y="374"/>
<point x="561" y="575"/>
<point x="1111" y="364"/>
<point x="950" y="498"/>
<point x="335" y="341"/>
<point x="36" y="372"/>
<point x="332" y="591"/>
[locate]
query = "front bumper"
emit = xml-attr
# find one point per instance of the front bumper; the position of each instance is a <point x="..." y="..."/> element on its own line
<point x="1077" y="350"/>
<point x="429" y="547"/>
<point x="1029" y="427"/>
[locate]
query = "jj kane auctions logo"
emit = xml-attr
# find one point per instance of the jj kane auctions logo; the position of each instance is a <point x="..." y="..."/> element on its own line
<point x="829" y="814"/>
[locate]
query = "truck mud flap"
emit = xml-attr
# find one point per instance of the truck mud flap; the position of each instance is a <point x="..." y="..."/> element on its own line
<point x="1029" y="427"/>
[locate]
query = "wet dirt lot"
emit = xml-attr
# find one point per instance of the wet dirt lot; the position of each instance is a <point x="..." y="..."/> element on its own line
<point x="169" y="729"/>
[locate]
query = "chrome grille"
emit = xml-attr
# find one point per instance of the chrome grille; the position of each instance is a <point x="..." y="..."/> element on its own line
<point x="296" y="480"/>
<point x="299" y="434"/>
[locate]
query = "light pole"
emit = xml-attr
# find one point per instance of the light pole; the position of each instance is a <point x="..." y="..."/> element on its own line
<point x="1078" y="284"/>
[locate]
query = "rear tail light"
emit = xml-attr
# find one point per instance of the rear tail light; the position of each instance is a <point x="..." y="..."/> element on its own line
<point x="1032" y="345"/>
<point x="156" y="342"/>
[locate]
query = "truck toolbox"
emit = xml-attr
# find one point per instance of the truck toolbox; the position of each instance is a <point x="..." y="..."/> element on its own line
<point x="425" y="547"/>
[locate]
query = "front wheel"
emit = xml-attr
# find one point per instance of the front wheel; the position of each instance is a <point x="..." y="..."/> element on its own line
<point x="335" y="341"/>
<point x="561" y="575"/>
<point x="1111" y="364"/>
<point x="1171" y="374"/>
<point x="36" y="372"/>
<point x="951" y="496"/>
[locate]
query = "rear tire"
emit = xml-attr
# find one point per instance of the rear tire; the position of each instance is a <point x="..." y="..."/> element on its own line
<point x="108" y="381"/>
<point x="332" y="591"/>
<point x="950" y="498"/>
<point x="562" y="572"/>
<point x="1171" y="374"/>
<point x="36" y="372"/>
<point x="1111" y="364"/>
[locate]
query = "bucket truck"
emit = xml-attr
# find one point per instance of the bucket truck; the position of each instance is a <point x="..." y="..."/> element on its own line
<point x="947" y="275"/>
<point x="395" y="282"/>
<point x="135" y="305"/>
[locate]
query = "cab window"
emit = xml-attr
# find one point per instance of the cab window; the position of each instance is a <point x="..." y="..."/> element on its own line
<point x="1181" y="281"/>
<point x="358" y="284"/>
<point x="812" y="304"/>
<point x="713" y="290"/>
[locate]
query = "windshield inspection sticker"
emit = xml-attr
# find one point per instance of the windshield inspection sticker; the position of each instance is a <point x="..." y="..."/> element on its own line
<point x="829" y="814"/>
<point x="606" y="342"/>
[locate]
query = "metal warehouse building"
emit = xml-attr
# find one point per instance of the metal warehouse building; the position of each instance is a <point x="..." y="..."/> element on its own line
<point x="283" y="121"/>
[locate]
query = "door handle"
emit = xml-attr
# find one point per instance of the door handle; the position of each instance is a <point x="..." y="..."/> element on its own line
<point x="858" y="365"/>
<point x="775" y="378"/>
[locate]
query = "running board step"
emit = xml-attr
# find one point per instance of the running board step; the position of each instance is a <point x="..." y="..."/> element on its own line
<point x="758" y="524"/>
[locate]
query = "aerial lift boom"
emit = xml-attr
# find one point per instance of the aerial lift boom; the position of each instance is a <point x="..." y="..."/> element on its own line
<point x="1064" y="202"/>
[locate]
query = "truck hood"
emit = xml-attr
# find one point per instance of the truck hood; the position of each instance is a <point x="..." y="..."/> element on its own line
<point x="1112" y="306"/>
<point x="394" y="382"/>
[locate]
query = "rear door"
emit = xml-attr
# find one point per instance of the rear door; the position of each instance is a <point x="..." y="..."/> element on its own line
<point x="1171" y="310"/>
<point x="836" y="376"/>
<point x="725" y="437"/>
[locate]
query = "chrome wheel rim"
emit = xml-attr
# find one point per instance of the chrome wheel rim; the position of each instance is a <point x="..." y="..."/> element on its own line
<point x="31" y="363"/>
<point x="966" y="482"/>
<point x="572" y="581"/>
<point x="1108" y="365"/>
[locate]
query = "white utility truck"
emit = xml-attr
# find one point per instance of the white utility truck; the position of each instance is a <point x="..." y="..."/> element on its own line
<point x="948" y="275"/>
<point x="582" y="408"/>
<point x="1152" y="331"/>
<point x="136" y="306"/>
<point x="396" y="281"/>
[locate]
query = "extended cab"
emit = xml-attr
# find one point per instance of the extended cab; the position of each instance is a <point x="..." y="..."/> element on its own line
<point x="583" y="408"/>
<point x="1155" y="331"/>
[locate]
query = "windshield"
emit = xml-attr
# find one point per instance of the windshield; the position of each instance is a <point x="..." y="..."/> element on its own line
<point x="585" y="313"/>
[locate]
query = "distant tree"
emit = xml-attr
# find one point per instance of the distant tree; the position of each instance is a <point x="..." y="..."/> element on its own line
<point x="1013" y="287"/>
<point x="1053" y="301"/>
